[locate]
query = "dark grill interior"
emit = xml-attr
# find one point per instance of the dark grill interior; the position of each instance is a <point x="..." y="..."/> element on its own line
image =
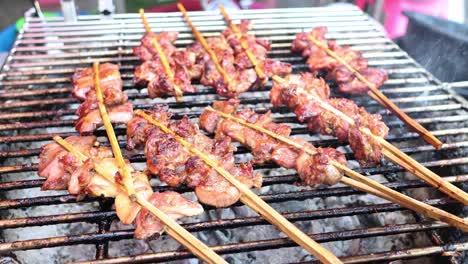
<point x="35" y="104"/>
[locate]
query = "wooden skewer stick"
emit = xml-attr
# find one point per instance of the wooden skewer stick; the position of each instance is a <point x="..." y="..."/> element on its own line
<point x="235" y="29"/>
<point x="205" y="45"/>
<point x="177" y="92"/>
<point x="123" y="168"/>
<point x="382" y="99"/>
<point x="171" y="227"/>
<point x="370" y="186"/>
<point x="250" y="199"/>
<point x="393" y="153"/>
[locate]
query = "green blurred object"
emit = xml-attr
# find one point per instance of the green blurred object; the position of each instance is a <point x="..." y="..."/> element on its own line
<point x="134" y="5"/>
<point x="20" y="22"/>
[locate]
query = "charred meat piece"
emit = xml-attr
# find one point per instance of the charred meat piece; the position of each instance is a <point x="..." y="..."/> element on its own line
<point x="319" y="61"/>
<point x="146" y="51"/>
<point x="118" y="107"/>
<point x="188" y="60"/>
<point x="312" y="169"/>
<point x="209" y="120"/>
<point x="258" y="47"/>
<point x="288" y="94"/>
<point x="119" y="114"/>
<point x="57" y="165"/>
<point x="148" y="71"/>
<point x="366" y="150"/>
<point x="162" y="85"/>
<point x="109" y="76"/>
<point x="127" y="210"/>
<point x="239" y="80"/>
<point x="173" y="204"/>
<point x="138" y="128"/>
<point x="153" y="74"/>
<point x="176" y="165"/>
<point x="273" y="67"/>
<point x="291" y="93"/>
<point x="112" y="97"/>
<point x="349" y="83"/>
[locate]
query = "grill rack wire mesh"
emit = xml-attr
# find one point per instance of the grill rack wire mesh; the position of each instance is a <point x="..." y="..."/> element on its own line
<point x="35" y="104"/>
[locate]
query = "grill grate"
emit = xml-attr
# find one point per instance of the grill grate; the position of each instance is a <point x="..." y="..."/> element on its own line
<point x="36" y="104"/>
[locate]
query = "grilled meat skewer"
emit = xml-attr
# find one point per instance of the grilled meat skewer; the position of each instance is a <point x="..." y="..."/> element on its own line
<point x="63" y="170"/>
<point x="151" y="72"/>
<point x="319" y="61"/>
<point x="259" y="48"/>
<point x="89" y="118"/>
<point x="175" y="165"/>
<point x="312" y="169"/>
<point x="366" y="149"/>
<point x="240" y="79"/>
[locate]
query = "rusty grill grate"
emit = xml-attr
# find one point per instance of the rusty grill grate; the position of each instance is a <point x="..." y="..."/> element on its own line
<point x="35" y="104"/>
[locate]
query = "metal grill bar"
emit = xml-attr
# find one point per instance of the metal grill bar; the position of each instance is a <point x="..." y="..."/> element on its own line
<point x="282" y="242"/>
<point x="275" y="243"/>
<point x="35" y="94"/>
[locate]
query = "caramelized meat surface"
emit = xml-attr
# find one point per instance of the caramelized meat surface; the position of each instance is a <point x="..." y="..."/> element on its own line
<point x="312" y="169"/>
<point x="319" y="61"/>
<point x="176" y="165"/>
<point x="291" y="93"/>
<point x="64" y="171"/>
<point x="118" y="107"/>
<point x="147" y="51"/>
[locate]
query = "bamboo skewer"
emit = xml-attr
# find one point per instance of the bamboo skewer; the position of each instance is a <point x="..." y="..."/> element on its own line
<point x="205" y="45"/>
<point x="177" y="92"/>
<point x="377" y="95"/>
<point x="244" y="45"/>
<point x="170" y="226"/>
<point x="389" y="151"/>
<point x="250" y="199"/>
<point x="123" y="168"/>
<point x="367" y="185"/>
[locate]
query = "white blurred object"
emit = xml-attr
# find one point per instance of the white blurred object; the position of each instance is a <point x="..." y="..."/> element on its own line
<point x="213" y="5"/>
<point x="456" y="11"/>
<point x="68" y="10"/>
<point x="106" y="7"/>
<point x="245" y="4"/>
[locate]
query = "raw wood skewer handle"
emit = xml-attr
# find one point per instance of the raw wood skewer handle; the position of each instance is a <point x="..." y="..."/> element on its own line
<point x="370" y="186"/>
<point x="177" y="92"/>
<point x="382" y="99"/>
<point x="244" y="45"/>
<point x="123" y="168"/>
<point x="253" y="201"/>
<point x="428" y="175"/>
<point x="171" y="227"/>
<point x="205" y="45"/>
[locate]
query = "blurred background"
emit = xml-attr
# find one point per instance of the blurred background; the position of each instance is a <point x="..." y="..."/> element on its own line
<point x="416" y="25"/>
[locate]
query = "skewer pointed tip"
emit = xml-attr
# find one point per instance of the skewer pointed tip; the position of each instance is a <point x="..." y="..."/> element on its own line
<point x="181" y="7"/>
